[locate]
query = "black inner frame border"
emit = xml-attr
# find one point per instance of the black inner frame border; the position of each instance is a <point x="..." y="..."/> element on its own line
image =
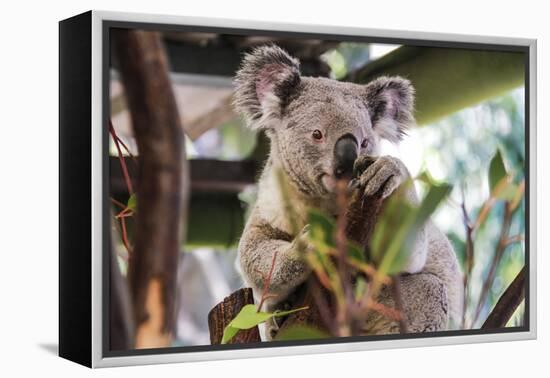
<point x="106" y="27"/>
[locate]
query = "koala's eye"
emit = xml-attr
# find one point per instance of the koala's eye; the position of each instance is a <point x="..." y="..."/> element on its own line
<point x="364" y="143"/>
<point x="317" y="135"/>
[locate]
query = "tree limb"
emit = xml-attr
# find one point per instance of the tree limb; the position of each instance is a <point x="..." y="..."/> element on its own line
<point x="507" y="304"/>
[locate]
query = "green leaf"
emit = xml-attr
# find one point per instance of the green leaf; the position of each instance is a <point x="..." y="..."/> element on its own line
<point x="321" y="236"/>
<point x="399" y="226"/>
<point x="497" y="170"/>
<point x="228" y="333"/>
<point x="248" y="318"/>
<point x="391" y="227"/>
<point x="425" y="177"/>
<point x="436" y="194"/>
<point x="360" y="288"/>
<point x="508" y="193"/>
<point x="285" y="313"/>
<point x="301" y="333"/>
<point x="132" y="202"/>
<point x="321" y="228"/>
<point x="355" y="252"/>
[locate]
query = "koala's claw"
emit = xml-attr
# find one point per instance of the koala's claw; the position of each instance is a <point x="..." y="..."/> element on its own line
<point x="361" y="164"/>
<point x="383" y="177"/>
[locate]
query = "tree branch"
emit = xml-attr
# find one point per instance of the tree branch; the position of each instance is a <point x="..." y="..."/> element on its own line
<point x="507" y="303"/>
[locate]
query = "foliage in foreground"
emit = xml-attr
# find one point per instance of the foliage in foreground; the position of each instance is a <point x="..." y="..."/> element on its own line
<point x="333" y="262"/>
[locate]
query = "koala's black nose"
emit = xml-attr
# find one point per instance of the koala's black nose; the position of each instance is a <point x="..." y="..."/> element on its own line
<point x="345" y="154"/>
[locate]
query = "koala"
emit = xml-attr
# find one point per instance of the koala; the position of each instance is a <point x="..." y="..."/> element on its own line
<point x="318" y="129"/>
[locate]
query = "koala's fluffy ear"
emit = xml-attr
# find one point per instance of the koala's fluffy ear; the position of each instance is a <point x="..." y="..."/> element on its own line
<point x="390" y="101"/>
<point x="265" y="81"/>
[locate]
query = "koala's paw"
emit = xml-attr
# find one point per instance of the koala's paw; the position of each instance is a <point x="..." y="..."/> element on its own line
<point x="299" y="268"/>
<point x="383" y="176"/>
<point x="291" y="267"/>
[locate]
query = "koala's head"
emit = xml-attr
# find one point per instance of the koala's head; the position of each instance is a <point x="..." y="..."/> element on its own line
<point x="319" y="126"/>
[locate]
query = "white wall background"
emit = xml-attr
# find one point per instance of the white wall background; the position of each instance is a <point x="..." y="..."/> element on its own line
<point x="29" y="189"/>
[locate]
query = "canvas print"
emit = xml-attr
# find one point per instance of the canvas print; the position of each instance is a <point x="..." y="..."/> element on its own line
<point x="271" y="189"/>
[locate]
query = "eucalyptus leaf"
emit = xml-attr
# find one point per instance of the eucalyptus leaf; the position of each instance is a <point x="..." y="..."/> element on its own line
<point x="355" y="252"/>
<point x="321" y="236"/>
<point x="132" y="202"/>
<point x="360" y="288"/>
<point x="399" y="227"/>
<point x="321" y="228"/>
<point x="508" y="193"/>
<point x="435" y="196"/>
<point x="249" y="317"/>
<point x="497" y="170"/>
<point x="301" y="333"/>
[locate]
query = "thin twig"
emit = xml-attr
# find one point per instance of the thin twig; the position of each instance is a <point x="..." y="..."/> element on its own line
<point x="118" y="203"/>
<point x="386" y="311"/>
<point x="121" y="159"/>
<point x="343" y="313"/>
<point x="126" y="148"/>
<point x="488" y="205"/>
<point x="500" y="248"/>
<point x="396" y="291"/>
<point x="373" y="289"/>
<point x="515" y="239"/>
<point x="267" y="283"/>
<point x="469" y="252"/>
<point x="127" y="212"/>
<point x="321" y="275"/>
<point x="322" y="306"/>
<point x="125" y="257"/>
<point x="125" y="236"/>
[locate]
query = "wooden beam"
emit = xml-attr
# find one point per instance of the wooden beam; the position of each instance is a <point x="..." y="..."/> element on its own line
<point x="223" y="55"/>
<point x="215" y="186"/>
<point x="206" y="175"/>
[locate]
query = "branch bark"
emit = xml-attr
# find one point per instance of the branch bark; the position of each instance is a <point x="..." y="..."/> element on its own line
<point x="507" y="303"/>
<point x="160" y="190"/>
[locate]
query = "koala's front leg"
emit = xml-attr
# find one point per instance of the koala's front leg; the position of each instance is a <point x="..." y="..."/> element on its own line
<point x="259" y="243"/>
<point x="382" y="177"/>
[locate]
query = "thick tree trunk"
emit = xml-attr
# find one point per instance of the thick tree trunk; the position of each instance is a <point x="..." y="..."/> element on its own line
<point x="162" y="185"/>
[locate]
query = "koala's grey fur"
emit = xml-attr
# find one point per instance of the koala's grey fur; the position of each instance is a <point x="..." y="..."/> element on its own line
<point x="272" y="96"/>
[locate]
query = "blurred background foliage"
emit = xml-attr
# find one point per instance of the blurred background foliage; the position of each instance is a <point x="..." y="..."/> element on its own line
<point x="456" y="149"/>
